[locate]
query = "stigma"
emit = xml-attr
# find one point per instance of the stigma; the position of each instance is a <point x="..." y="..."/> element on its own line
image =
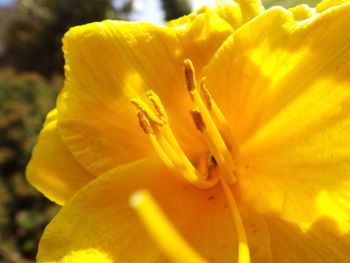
<point x="208" y="119"/>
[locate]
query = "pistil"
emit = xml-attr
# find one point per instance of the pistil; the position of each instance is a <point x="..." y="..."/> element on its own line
<point x="162" y="231"/>
<point x="243" y="249"/>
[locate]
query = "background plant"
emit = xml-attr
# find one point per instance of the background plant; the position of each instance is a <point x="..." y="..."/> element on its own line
<point x="24" y="212"/>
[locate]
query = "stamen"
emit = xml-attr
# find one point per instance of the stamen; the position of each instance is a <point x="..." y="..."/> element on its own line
<point x="181" y="164"/>
<point x="141" y="106"/>
<point x="186" y="164"/>
<point x="170" y="151"/>
<point x="214" y="139"/>
<point x="144" y="123"/>
<point x="205" y="94"/>
<point x="203" y="166"/>
<point x="198" y="120"/>
<point x="220" y="118"/>
<point x="218" y="157"/>
<point x="165" y="143"/>
<point x="158" y="106"/>
<point x="162" y="231"/>
<point x="147" y="128"/>
<point x="210" y="121"/>
<point x="243" y="249"/>
<point x="161" y="153"/>
<point x="190" y="75"/>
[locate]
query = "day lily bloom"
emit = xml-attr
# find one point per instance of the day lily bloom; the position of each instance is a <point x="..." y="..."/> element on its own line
<point x="221" y="137"/>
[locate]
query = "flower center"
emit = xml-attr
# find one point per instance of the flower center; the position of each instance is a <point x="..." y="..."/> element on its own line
<point x="221" y="167"/>
<point x="208" y="119"/>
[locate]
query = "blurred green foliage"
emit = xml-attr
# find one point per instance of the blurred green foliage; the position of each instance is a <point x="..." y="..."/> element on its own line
<point x="33" y="39"/>
<point x="25" y="99"/>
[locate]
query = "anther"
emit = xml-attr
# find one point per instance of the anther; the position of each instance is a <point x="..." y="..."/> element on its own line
<point x="141" y="106"/>
<point x="197" y="119"/>
<point x="190" y="76"/>
<point x="158" y="106"/>
<point x="144" y="123"/>
<point x="205" y="94"/>
<point x="213" y="137"/>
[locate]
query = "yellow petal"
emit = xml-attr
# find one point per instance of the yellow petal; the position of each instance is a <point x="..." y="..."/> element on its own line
<point x="86" y="256"/>
<point x="326" y="4"/>
<point x="168" y="239"/>
<point x="258" y="235"/>
<point x="99" y="217"/>
<point x="250" y="8"/>
<point x="286" y="90"/>
<point x="235" y="13"/>
<point x="230" y="11"/>
<point x="109" y="63"/>
<point x="227" y="10"/>
<point x="200" y="38"/>
<point x="321" y="243"/>
<point x="302" y="12"/>
<point x="52" y="168"/>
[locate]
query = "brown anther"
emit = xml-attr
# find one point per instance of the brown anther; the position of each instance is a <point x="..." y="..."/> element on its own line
<point x="205" y="94"/>
<point x="198" y="119"/>
<point x="144" y="123"/>
<point x="190" y="75"/>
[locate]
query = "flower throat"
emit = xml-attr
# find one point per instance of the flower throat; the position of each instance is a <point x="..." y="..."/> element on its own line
<point x="208" y="119"/>
<point x="220" y="167"/>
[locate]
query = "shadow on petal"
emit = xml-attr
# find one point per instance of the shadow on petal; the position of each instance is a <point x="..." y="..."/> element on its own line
<point x="323" y="241"/>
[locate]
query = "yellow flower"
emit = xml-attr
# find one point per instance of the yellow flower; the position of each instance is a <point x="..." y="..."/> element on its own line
<point x="250" y="164"/>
